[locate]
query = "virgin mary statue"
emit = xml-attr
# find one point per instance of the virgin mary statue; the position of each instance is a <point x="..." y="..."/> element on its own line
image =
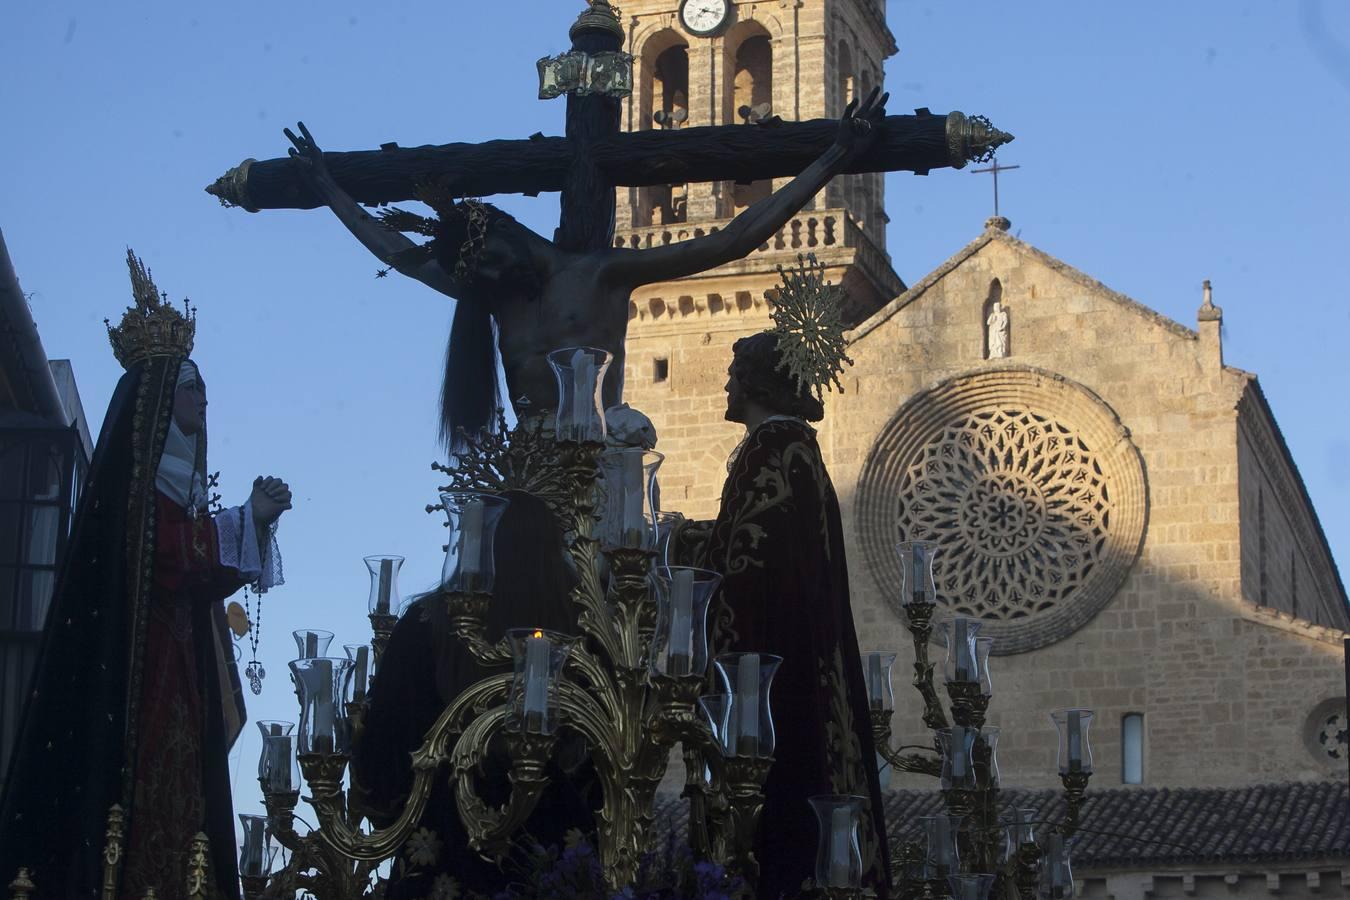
<point x="135" y="700"/>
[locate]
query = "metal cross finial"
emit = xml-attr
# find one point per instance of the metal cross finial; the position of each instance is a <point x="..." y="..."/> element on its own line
<point x="994" y="169"/>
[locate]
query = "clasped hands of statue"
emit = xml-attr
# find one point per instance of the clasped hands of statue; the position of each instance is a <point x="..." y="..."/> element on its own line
<point x="858" y="130"/>
<point x="270" y="498"/>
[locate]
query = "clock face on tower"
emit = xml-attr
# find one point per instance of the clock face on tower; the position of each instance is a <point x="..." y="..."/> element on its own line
<point x="704" y="17"/>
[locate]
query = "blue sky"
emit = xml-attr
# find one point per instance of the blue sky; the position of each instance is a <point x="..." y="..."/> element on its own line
<point x="1161" y="143"/>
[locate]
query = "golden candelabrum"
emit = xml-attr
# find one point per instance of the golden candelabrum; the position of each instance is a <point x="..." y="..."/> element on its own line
<point x="973" y="850"/>
<point x="604" y="684"/>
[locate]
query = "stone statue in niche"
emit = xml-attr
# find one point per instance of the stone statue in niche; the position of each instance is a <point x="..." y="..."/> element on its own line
<point x="997" y="323"/>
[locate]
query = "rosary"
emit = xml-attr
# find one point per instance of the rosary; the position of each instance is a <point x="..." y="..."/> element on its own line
<point x="254" y="671"/>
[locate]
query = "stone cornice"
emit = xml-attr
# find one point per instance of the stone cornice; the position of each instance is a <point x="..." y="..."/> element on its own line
<point x="1290" y="624"/>
<point x="1050" y="262"/>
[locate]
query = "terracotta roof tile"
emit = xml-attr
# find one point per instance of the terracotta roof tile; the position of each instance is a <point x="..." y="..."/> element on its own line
<point x="1162" y="826"/>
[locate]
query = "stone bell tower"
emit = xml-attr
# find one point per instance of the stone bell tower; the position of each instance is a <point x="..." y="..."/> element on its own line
<point x="724" y="62"/>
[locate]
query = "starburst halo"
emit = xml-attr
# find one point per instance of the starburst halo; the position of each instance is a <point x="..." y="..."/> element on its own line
<point x="810" y="330"/>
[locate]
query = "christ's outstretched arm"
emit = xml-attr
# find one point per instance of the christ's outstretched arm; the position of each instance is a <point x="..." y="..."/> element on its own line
<point x="388" y="246"/>
<point x="857" y="130"/>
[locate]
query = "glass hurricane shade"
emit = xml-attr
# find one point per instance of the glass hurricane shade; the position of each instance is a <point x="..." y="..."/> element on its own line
<point x="310" y="643"/>
<point x="628" y="501"/>
<point x="1018" y="830"/>
<point x="1056" y="874"/>
<point x="916" y="571"/>
<point x="957" y="745"/>
<point x="384" y="597"/>
<point x="839" y="862"/>
<point x="880" y="692"/>
<point x="1075" y="752"/>
<point x="255" y="851"/>
<point x="539" y="657"/>
<point x="959" y="634"/>
<point x="941" y="854"/>
<point x="580" y="373"/>
<point x="472" y="517"/>
<point x="323" y="720"/>
<point x="358" y="679"/>
<point x="680" y="643"/>
<point x="748" y="678"/>
<point x="277" y="768"/>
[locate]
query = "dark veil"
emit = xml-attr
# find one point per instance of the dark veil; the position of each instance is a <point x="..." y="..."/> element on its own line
<point x="76" y="748"/>
<point x="425" y="666"/>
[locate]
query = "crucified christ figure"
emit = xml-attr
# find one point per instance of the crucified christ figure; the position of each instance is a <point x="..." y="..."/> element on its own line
<point x="540" y="297"/>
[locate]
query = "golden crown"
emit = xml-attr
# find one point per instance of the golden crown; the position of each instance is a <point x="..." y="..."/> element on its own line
<point x="152" y="327"/>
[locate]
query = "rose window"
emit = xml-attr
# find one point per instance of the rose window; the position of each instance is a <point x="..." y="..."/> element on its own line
<point x="1032" y="490"/>
<point x="1019" y="506"/>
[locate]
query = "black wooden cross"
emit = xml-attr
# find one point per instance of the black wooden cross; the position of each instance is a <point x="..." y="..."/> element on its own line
<point x="994" y="169"/>
<point x="594" y="157"/>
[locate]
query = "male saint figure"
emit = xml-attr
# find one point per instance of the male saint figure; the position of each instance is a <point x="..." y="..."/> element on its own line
<point x="778" y="543"/>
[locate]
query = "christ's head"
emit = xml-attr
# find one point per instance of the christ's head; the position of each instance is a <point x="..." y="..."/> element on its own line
<point x="487" y="250"/>
<point x="757" y="387"/>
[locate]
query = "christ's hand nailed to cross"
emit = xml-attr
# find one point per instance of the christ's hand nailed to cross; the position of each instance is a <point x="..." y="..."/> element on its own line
<point x="859" y="125"/>
<point x="307" y="156"/>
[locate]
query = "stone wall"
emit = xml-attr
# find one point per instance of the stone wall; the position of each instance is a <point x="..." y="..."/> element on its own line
<point x="1318" y="878"/>
<point x="1176" y="643"/>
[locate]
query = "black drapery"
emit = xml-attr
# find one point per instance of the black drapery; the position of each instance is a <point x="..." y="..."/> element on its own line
<point x="424" y="667"/>
<point x="779" y="544"/>
<point x="77" y="745"/>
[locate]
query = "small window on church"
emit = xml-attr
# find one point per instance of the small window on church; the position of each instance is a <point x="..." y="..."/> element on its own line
<point x="1132" y="749"/>
<point x="660" y="370"/>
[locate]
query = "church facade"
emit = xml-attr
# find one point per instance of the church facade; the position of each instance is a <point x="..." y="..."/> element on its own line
<point x="1113" y="501"/>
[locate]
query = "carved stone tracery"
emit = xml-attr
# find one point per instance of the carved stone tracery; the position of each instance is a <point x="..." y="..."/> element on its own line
<point x="1032" y="489"/>
<point x="1019" y="505"/>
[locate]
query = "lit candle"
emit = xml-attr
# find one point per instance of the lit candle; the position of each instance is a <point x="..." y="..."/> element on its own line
<point x="681" y="621"/>
<point x="536" y="681"/>
<point x="841" y="836"/>
<point x="362" y="659"/>
<point x="386" y="584"/>
<point x="1075" y="729"/>
<point x="874" y="680"/>
<point x="583" y="392"/>
<point x="632" y="524"/>
<point x="471" y="538"/>
<point x="961" y="637"/>
<point x="323" y="707"/>
<point x="747" y="701"/>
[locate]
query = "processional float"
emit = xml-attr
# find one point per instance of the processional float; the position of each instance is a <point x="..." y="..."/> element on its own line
<point x="634" y="683"/>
